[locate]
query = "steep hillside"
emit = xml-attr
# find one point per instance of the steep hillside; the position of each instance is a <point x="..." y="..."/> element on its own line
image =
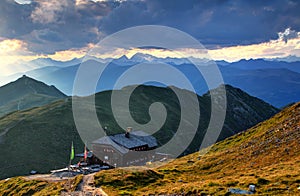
<point x="242" y="110"/>
<point x="37" y="139"/>
<point x="25" y="93"/>
<point x="40" y="138"/>
<point x="267" y="155"/>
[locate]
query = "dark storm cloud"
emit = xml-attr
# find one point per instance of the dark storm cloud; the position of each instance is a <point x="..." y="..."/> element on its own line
<point x="52" y="25"/>
<point x="48" y="35"/>
<point x="14" y="19"/>
<point x="212" y="22"/>
<point x="48" y="28"/>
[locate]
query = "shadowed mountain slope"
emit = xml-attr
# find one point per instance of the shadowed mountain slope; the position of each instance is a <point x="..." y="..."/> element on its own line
<point x="40" y="138"/>
<point x="267" y="156"/>
<point x="26" y="93"/>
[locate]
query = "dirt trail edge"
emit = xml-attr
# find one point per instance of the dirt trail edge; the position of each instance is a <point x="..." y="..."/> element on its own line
<point x="85" y="188"/>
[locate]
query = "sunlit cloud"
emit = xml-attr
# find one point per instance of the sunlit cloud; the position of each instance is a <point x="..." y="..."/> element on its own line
<point x="286" y="44"/>
<point x="9" y="46"/>
<point x="288" y="34"/>
<point x="271" y="49"/>
<point x="81" y="2"/>
<point x="110" y="0"/>
<point x="12" y="52"/>
<point x="23" y="1"/>
<point x="67" y="55"/>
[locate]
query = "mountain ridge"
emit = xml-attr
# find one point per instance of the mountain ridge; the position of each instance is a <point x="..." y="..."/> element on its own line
<point x="266" y="155"/>
<point x="46" y="132"/>
<point x="25" y="93"/>
<point x="258" y="77"/>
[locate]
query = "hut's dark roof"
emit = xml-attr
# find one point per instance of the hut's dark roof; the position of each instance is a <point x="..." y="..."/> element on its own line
<point x="108" y="141"/>
<point x="123" y="144"/>
<point x="149" y="139"/>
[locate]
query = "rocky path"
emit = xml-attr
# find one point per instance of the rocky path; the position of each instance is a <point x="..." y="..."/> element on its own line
<point x="86" y="188"/>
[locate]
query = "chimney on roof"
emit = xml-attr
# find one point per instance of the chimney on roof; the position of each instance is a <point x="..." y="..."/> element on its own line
<point x="127" y="133"/>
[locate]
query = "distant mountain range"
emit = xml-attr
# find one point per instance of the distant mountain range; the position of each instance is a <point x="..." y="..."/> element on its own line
<point x="276" y="82"/>
<point x="261" y="64"/>
<point x="39" y="138"/>
<point x="290" y="58"/>
<point x="26" y="93"/>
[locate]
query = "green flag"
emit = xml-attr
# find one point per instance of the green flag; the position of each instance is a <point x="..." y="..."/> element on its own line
<point x="72" y="152"/>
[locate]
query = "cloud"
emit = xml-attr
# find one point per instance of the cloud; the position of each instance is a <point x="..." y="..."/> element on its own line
<point x="285" y="45"/>
<point x="15" y="19"/>
<point x="23" y="1"/>
<point x="51" y="26"/>
<point x="48" y="11"/>
<point x="12" y="52"/>
<point x="288" y="34"/>
<point x="270" y="49"/>
<point x="46" y="35"/>
<point x="71" y="54"/>
<point x="10" y="46"/>
<point x="214" y="23"/>
<point x="60" y="25"/>
<point x="72" y="26"/>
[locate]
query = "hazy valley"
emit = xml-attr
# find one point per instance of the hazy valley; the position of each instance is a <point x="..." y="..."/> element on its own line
<point x="275" y="82"/>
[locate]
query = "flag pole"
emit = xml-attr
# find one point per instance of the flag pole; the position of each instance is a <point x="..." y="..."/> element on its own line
<point x="71" y="155"/>
<point x="85" y="153"/>
<point x="70" y="162"/>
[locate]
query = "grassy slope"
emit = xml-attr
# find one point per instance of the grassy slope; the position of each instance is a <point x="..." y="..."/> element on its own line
<point x="19" y="186"/>
<point x="24" y="86"/>
<point x="267" y="155"/>
<point x="26" y="102"/>
<point x="26" y="93"/>
<point x="40" y="138"/>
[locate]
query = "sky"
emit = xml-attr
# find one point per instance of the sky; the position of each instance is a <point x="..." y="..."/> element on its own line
<point x="65" y="29"/>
